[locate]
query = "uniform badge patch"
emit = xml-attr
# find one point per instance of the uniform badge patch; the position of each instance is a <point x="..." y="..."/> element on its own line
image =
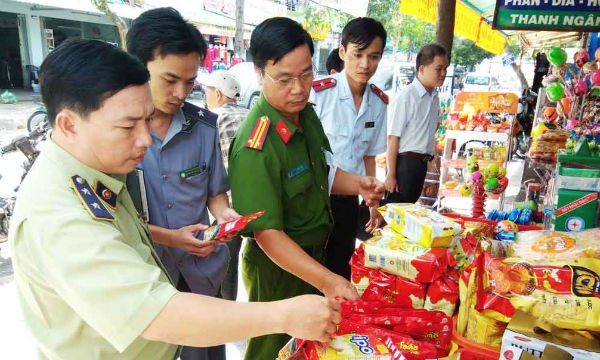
<point x="284" y="132"/>
<point x="89" y="199"/>
<point x="380" y="94"/>
<point x="106" y="195"/>
<point x="297" y="170"/>
<point x="323" y="84"/>
<point x="259" y="133"/>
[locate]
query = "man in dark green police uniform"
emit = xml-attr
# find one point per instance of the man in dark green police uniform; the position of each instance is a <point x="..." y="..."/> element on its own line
<point x="89" y="282"/>
<point x="277" y="163"/>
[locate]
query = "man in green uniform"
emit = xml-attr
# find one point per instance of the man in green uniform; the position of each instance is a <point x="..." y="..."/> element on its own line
<point x="89" y="282"/>
<point x="277" y="163"/>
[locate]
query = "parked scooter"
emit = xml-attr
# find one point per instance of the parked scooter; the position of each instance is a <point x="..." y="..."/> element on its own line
<point x="523" y="124"/>
<point x="27" y="145"/>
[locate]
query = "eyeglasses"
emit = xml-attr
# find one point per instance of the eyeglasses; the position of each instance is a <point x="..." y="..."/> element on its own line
<point x="287" y="81"/>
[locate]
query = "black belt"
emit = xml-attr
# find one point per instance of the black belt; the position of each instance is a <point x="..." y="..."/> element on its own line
<point x="416" y="155"/>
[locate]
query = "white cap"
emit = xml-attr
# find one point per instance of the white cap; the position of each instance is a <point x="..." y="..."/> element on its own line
<point x="223" y="81"/>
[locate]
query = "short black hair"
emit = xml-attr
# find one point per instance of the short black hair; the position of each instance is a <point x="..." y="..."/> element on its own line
<point x="80" y="74"/>
<point x="166" y="30"/>
<point x="273" y="38"/>
<point x="362" y="31"/>
<point x="334" y="62"/>
<point x="427" y="54"/>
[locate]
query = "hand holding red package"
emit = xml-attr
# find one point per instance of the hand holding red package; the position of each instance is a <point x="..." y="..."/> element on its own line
<point x="221" y="231"/>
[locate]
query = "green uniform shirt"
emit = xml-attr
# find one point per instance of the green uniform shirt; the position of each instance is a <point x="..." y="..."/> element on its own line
<point x="87" y="288"/>
<point x="287" y="180"/>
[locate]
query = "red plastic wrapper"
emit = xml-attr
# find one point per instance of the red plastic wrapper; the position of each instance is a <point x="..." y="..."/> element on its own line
<point x="442" y="294"/>
<point x="220" y="231"/>
<point x="403" y="344"/>
<point x="394" y="290"/>
<point x="360" y="274"/>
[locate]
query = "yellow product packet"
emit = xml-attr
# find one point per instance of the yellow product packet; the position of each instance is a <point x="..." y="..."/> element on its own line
<point x="420" y="225"/>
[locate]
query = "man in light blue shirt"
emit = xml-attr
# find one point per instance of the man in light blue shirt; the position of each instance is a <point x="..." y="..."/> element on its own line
<point x="412" y="123"/>
<point x="184" y="175"/>
<point x="353" y="114"/>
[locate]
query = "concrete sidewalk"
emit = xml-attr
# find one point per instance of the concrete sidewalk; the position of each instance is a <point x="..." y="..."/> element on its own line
<point x="14" y="116"/>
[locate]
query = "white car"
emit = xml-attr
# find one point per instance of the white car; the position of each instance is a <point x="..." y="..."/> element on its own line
<point x="479" y="82"/>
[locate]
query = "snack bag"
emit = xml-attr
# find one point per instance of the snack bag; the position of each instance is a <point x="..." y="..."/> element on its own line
<point x="219" y="231"/>
<point x="442" y="294"/>
<point x="420" y="225"/>
<point x="360" y="274"/>
<point x="541" y="245"/>
<point x="395" y="256"/>
<point x="566" y="293"/>
<point x="394" y="290"/>
<point x="403" y="344"/>
<point x="348" y="347"/>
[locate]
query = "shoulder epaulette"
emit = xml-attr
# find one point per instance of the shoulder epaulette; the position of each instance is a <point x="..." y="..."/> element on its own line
<point x="90" y="201"/>
<point x="193" y="114"/>
<point x="323" y="84"/>
<point x="105" y="194"/>
<point x="380" y="94"/>
<point x="259" y="133"/>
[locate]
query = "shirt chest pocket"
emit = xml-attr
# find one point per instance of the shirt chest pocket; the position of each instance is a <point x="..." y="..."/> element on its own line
<point x="297" y="185"/>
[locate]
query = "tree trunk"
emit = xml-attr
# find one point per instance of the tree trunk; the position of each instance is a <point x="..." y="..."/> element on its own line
<point x="239" y="28"/>
<point x="517" y="69"/>
<point x="444" y="29"/>
<point x="119" y="23"/>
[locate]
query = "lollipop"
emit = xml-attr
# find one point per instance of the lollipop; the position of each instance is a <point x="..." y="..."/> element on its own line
<point x="595" y="77"/>
<point x="557" y="56"/>
<point x="590" y="67"/>
<point x="492" y="169"/>
<point x="597" y="54"/>
<point x="581" y="58"/>
<point x="476" y="176"/>
<point x="564" y="107"/>
<point x="550" y="114"/>
<point x="555" y="91"/>
<point x="580" y="88"/>
<point x="491" y="184"/>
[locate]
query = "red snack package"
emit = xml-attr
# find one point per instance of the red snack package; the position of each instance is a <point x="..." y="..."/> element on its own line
<point x="442" y="294"/>
<point x="220" y="231"/>
<point x="410" y="348"/>
<point x="395" y="290"/>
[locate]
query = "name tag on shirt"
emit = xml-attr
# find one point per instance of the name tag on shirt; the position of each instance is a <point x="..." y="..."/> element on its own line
<point x="192" y="171"/>
<point x="369" y="124"/>
<point x="297" y="170"/>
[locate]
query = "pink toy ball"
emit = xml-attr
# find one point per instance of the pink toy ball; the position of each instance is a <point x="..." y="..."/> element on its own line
<point x="595" y="77"/>
<point x="581" y="58"/>
<point x="580" y="88"/>
<point x="476" y="176"/>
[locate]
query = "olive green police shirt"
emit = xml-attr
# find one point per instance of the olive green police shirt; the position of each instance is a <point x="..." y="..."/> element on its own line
<point x="287" y="180"/>
<point x="87" y="287"/>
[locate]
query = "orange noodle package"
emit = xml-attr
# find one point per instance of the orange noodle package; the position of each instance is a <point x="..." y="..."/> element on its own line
<point x="411" y="261"/>
<point x="565" y="293"/>
<point x="540" y="245"/>
<point x="220" y="231"/>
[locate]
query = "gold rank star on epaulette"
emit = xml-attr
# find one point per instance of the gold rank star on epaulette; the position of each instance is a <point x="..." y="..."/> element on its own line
<point x="105" y="194"/>
<point x="90" y="201"/>
<point x="323" y="84"/>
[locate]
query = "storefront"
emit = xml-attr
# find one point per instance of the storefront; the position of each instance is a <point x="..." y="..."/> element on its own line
<point x="30" y="29"/>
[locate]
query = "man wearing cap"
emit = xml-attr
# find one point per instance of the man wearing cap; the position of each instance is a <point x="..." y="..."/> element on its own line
<point x="184" y="176"/>
<point x="222" y="90"/>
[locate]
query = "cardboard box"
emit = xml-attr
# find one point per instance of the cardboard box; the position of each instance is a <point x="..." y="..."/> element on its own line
<point x="529" y="334"/>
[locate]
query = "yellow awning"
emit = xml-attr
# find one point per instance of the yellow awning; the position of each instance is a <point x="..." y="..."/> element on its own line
<point x="467" y="23"/>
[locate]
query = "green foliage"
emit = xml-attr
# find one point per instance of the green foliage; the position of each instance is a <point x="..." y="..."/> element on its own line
<point x="466" y="53"/>
<point x="317" y="16"/>
<point x="406" y="32"/>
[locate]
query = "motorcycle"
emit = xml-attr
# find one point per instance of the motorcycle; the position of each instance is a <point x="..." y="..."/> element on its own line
<point x="523" y="124"/>
<point x="27" y="145"/>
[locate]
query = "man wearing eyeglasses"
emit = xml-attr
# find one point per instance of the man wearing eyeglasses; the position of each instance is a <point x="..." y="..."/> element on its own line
<point x="353" y="113"/>
<point x="277" y="163"/>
